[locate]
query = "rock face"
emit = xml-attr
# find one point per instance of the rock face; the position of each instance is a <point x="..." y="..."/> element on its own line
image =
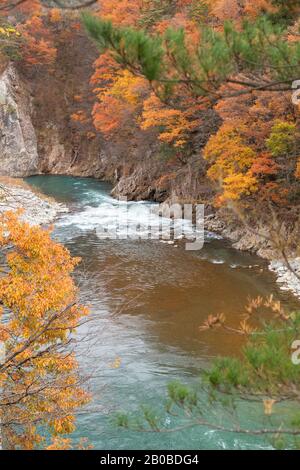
<point x="18" y="145"/>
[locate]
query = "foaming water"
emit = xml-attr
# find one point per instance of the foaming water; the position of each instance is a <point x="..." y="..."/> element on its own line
<point x="134" y="220"/>
<point x="149" y="299"/>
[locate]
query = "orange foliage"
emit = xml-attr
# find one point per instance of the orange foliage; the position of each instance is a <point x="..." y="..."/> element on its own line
<point x="264" y="165"/>
<point x="80" y="116"/>
<point x="109" y="114"/>
<point x="256" y="111"/>
<point x="164" y="180"/>
<point x="180" y="20"/>
<point x="55" y="15"/>
<point x="121" y="12"/>
<point x="255" y="8"/>
<point x="39" y="377"/>
<point x="274" y="192"/>
<point x="106" y="70"/>
<point x="39" y="45"/>
<point x="297" y="172"/>
<point x="176" y="124"/>
<point x="225" y="9"/>
<point x="118" y="100"/>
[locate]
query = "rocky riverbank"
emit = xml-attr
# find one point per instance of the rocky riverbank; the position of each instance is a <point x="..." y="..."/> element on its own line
<point x="287" y="279"/>
<point x="33" y="143"/>
<point x="38" y="210"/>
<point x="247" y="240"/>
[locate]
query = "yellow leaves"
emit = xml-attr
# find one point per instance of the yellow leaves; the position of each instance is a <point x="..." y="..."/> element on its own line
<point x="38" y="291"/>
<point x="59" y="443"/>
<point x="9" y="31"/>
<point x="118" y="102"/>
<point x="4" y="335"/>
<point x="236" y="186"/>
<point x="128" y="88"/>
<point x="55" y="15"/>
<point x="213" y="321"/>
<point x="116" y="364"/>
<point x="228" y="153"/>
<point x="63" y="425"/>
<point x="175" y="124"/>
<point x="246" y="329"/>
<point x="231" y="160"/>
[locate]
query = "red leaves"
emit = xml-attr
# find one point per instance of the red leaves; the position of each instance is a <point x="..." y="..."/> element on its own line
<point x="39" y="47"/>
<point x="265" y="165"/>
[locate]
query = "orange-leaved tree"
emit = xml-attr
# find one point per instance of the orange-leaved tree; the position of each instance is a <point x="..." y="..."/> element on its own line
<point x="119" y="94"/>
<point x="40" y="384"/>
<point x="175" y="125"/>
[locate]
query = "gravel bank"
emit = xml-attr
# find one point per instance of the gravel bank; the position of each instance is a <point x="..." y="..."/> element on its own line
<point x="37" y="210"/>
<point x="285" y="277"/>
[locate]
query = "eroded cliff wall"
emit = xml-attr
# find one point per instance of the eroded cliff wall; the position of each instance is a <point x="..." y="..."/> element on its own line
<point x="18" y="143"/>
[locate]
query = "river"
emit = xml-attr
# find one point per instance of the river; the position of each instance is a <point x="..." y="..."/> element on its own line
<point x="149" y="299"/>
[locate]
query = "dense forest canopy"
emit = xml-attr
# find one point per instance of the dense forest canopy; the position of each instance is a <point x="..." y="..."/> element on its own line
<point x="239" y="58"/>
<point x="166" y="65"/>
<point x="175" y="68"/>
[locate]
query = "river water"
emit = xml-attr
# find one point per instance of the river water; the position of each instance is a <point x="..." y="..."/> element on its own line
<point x="148" y="299"/>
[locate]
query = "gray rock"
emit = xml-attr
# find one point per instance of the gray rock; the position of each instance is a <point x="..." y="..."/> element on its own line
<point x="37" y="211"/>
<point x="18" y="143"/>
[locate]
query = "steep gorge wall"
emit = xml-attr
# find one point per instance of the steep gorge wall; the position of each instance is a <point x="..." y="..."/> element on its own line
<point x="38" y="134"/>
<point x="18" y="143"/>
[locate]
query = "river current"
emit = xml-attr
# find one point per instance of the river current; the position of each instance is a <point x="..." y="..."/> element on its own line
<point x="148" y="300"/>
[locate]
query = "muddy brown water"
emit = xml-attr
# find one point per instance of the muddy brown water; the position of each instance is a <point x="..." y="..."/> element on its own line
<point x="149" y="299"/>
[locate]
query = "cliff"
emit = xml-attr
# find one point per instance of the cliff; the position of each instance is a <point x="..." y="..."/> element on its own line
<point x="18" y="143"/>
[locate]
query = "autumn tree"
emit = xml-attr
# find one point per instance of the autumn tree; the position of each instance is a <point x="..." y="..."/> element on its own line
<point x="40" y="384"/>
<point x="175" y="125"/>
<point x="260" y="47"/>
<point x="36" y="45"/>
<point x="39" y="47"/>
<point x="10" y="42"/>
<point x="183" y="67"/>
<point x="231" y="159"/>
<point x="119" y="97"/>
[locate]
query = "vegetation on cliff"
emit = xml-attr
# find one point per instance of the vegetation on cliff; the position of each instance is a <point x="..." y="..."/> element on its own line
<point x="170" y="67"/>
<point x="243" y="68"/>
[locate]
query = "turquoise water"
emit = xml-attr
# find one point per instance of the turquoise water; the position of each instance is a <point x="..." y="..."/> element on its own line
<point x="148" y="300"/>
